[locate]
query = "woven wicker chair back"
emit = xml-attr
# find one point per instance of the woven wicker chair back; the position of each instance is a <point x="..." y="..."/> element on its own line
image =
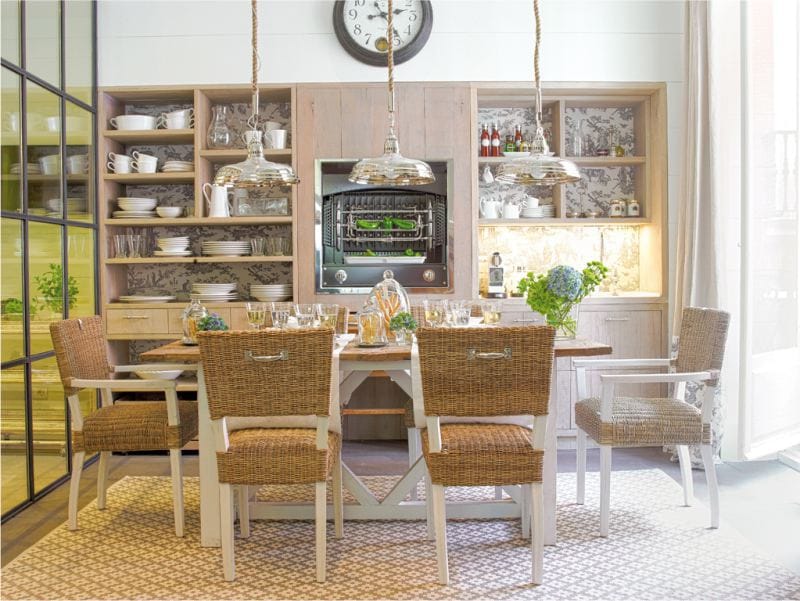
<point x="702" y="339"/>
<point x="241" y="383"/>
<point x="342" y="320"/>
<point x="80" y="350"/>
<point x="418" y="313"/>
<point x="458" y="381"/>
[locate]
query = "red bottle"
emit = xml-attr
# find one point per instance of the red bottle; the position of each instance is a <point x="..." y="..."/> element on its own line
<point x="485" y="141"/>
<point x="518" y="139"/>
<point x="495" y="141"/>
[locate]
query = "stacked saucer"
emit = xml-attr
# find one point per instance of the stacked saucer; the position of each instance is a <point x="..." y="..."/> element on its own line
<point x="173" y="166"/>
<point x="33" y="169"/>
<point x="132" y="207"/>
<point x="538" y="212"/>
<point x="214" y="293"/>
<point x="173" y="247"/>
<point x="271" y="292"/>
<point x="223" y="248"/>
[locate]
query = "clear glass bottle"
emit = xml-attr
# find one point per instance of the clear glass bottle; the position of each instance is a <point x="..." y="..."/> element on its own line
<point x="577" y="139"/>
<point x="371" y="328"/>
<point x="219" y="136"/>
<point x="389" y="298"/>
<point x="190" y="318"/>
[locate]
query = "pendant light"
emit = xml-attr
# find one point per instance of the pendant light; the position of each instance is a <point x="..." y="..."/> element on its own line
<point x="255" y="171"/>
<point x="391" y="169"/>
<point x="541" y="168"/>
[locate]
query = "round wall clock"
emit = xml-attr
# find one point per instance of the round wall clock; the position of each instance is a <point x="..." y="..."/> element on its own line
<point x="361" y="28"/>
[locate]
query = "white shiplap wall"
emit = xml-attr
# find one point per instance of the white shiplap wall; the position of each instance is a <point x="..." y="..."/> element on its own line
<point x="149" y="42"/>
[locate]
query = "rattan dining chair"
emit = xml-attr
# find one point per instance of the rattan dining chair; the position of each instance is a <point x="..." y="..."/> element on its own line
<point x="82" y="358"/>
<point x="270" y="373"/>
<point x="486" y="373"/>
<point x="614" y="421"/>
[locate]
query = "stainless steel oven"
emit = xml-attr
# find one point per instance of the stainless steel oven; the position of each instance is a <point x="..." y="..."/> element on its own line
<point x="361" y="231"/>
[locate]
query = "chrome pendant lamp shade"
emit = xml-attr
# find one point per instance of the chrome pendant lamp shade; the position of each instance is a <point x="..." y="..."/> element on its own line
<point x="255" y="171"/>
<point x="391" y="169"/>
<point x="541" y="168"/>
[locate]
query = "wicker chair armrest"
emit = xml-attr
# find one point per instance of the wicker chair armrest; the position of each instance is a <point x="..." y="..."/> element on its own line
<point x="123" y="369"/>
<point x="621" y="363"/>
<point x="123" y="385"/>
<point x="701" y="376"/>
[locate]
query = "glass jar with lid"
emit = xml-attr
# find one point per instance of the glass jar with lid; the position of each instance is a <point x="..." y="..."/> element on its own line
<point x="191" y="317"/>
<point x="371" y="328"/>
<point x="389" y="297"/>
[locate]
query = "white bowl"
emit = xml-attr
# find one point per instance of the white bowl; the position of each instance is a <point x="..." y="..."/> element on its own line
<point x="170" y="374"/>
<point x="137" y="205"/>
<point x="169" y="211"/>
<point x="133" y="122"/>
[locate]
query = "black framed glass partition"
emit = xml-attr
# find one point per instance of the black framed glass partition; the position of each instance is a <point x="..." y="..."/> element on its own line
<point x="48" y="229"/>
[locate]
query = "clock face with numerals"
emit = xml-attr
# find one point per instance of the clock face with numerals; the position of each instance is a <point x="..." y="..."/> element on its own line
<point x="361" y="27"/>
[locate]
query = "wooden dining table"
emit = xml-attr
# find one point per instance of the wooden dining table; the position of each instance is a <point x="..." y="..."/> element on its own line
<point x="355" y="365"/>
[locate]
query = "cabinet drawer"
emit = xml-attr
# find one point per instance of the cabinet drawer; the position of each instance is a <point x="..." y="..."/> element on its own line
<point x="631" y="334"/>
<point x="136" y="321"/>
<point x="520" y="318"/>
<point x="176" y="319"/>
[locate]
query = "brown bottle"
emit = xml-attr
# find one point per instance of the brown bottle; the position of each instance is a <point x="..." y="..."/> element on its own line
<point x="495" y="141"/>
<point x="485" y="141"/>
<point x="518" y="139"/>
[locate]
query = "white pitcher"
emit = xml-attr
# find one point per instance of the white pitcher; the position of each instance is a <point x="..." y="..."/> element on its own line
<point x="217" y="200"/>
<point x="491" y="208"/>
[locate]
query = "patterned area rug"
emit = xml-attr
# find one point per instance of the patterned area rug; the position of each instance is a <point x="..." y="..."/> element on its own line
<point x="655" y="550"/>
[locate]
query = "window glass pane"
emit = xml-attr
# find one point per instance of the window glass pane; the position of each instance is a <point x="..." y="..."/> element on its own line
<point x="80" y="257"/>
<point x="9" y="30"/>
<point x="48" y="413"/>
<point x="46" y="276"/>
<point x="10" y="142"/>
<point x="43" y="39"/>
<point x="44" y="152"/>
<point x="13" y="459"/>
<point x="12" y="340"/>
<point x="78" y="42"/>
<point x="79" y="164"/>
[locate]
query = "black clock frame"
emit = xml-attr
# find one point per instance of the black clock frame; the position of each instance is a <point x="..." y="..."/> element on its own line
<point x="379" y="59"/>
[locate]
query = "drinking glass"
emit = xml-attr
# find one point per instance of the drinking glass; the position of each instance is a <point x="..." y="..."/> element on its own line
<point x="306" y="315"/>
<point x="257" y="247"/>
<point x="120" y="246"/>
<point x="459" y="313"/>
<point x="327" y="315"/>
<point x="492" y="311"/>
<point x="280" y="314"/>
<point x="435" y="312"/>
<point x="135" y="245"/>
<point x="256" y="315"/>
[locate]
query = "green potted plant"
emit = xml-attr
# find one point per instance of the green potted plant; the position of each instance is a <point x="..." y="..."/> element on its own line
<point x="403" y="324"/>
<point x="557" y="294"/>
<point x="211" y="322"/>
<point x="11" y="309"/>
<point x="50" y="285"/>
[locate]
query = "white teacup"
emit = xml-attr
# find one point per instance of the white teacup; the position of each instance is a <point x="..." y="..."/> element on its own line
<point x="530" y="202"/>
<point x="50" y="164"/>
<point x="510" y="210"/>
<point x="271" y="125"/>
<point x="250" y="135"/>
<point x="143" y="166"/>
<point x="133" y="122"/>
<point x="53" y="124"/>
<point x="182" y="119"/>
<point x="119" y="163"/>
<point x="276" y="139"/>
<point x="139" y="156"/>
<point x="77" y="163"/>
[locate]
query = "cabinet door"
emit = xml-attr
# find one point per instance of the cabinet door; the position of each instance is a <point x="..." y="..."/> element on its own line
<point x="631" y="334"/>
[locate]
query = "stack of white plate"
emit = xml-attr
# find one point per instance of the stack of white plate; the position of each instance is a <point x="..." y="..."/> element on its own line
<point x="271" y="292"/>
<point x="135" y="208"/>
<point x="141" y="298"/>
<point x="33" y="169"/>
<point x="177" y="166"/>
<point x="540" y="211"/>
<point x="214" y="293"/>
<point x="222" y="248"/>
<point x="173" y="247"/>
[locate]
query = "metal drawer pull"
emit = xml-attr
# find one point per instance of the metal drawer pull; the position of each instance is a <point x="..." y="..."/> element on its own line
<point x="523" y="320"/>
<point x="618" y="318"/>
<point x="282" y="356"/>
<point x="474" y="354"/>
<point x="136" y="317"/>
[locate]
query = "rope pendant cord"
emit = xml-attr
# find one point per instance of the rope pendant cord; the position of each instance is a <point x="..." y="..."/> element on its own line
<point x="390" y="61"/>
<point x="253" y="120"/>
<point x="536" y="74"/>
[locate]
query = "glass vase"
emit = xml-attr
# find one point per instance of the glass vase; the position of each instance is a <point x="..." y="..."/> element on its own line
<point x="402" y="337"/>
<point x="219" y="136"/>
<point x="565" y="322"/>
<point x="190" y="318"/>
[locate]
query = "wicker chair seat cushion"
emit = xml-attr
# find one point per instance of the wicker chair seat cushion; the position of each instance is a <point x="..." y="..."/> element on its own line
<point x="483" y="455"/>
<point x="641" y="422"/>
<point x="277" y="456"/>
<point x="136" y="427"/>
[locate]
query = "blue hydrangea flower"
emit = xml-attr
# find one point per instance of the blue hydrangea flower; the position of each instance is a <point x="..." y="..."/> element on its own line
<point x="565" y="281"/>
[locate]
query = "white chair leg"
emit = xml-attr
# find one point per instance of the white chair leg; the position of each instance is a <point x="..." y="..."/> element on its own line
<point x="429" y="507"/>
<point x="244" y="510"/>
<point x="580" y="467"/>
<point x="74" y="489"/>
<point x="102" y="478"/>
<point x="525" y="507"/>
<point x="439" y="523"/>
<point x="498" y="493"/>
<point x="320" y="522"/>
<point x="711" y="478"/>
<point x="414" y="451"/>
<point x="226" y="531"/>
<point x="537" y="534"/>
<point x="338" y="505"/>
<point x="176" y="467"/>
<point x="605" y="488"/>
<point x="686" y="474"/>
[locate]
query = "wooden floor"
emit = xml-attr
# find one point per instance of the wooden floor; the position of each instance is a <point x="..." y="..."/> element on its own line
<point x="767" y="489"/>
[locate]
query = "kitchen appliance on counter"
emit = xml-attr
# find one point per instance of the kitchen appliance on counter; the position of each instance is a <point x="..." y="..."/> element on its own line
<point x="361" y="231"/>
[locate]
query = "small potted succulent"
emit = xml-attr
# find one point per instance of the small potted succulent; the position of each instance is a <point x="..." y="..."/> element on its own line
<point x="557" y="294"/>
<point x="403" y="325"/>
